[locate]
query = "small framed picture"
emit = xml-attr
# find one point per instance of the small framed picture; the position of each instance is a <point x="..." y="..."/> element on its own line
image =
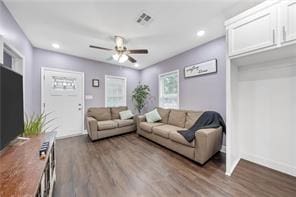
<point x="95" y="83"/>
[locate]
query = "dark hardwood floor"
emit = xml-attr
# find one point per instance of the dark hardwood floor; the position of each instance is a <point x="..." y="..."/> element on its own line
<point x="130" y="166"/>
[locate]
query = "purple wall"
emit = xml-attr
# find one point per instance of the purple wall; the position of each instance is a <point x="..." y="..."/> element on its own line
<point x="206" y="92"/>
<point x="37" y="58"/>
<point x="91" y="69"/>
<point x="197" y="93"/>
<point x="14" y="36"/>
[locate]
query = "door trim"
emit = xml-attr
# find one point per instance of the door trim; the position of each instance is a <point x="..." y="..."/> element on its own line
<point x="43" y="69"/>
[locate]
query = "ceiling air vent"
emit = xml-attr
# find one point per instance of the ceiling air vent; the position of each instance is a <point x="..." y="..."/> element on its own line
<point x="144" y="18"/>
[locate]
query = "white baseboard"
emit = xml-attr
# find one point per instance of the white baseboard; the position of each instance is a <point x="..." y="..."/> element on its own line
<point x="74" y="135"/>
<point x="84" y="131"/>
<point x="234" y="164"/>
<point x="281" y="167"/>
<point x="223" y="149"/>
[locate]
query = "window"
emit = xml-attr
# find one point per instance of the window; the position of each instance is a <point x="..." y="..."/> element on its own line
<point x="63" y="83"/>
<point x="7" y="60"/>
<point x="115" y="91"/>
<point x="10" y="58"/>
<point x="169" y="90"/>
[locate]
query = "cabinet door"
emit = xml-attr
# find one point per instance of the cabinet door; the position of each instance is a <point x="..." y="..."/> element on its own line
<point x="289" y="21"/>
<point x="255" y="32"/>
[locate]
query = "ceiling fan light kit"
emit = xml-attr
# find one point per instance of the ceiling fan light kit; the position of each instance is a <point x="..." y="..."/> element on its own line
<point x="122" y="54"/>
<point x="120" y="58"/>
<point x="119" y="41"/>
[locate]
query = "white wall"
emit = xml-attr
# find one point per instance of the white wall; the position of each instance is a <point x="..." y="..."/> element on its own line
<point x="267" y="115"/>
<point x="233" y="146"/>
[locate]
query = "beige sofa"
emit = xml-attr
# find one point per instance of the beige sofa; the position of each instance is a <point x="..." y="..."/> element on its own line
<point x="207" y="141"/>
<point x="105" y="122"/>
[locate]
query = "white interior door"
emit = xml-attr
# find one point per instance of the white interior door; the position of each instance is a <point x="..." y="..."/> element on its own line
<point x="62" y="101"/>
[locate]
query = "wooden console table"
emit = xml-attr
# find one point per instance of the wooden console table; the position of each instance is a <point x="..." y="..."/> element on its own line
<point x="22" y="173"/>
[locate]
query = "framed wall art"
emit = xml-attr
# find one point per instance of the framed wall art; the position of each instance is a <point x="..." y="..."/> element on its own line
<point x="95" y="83"/>
<point x="202" y="68"/>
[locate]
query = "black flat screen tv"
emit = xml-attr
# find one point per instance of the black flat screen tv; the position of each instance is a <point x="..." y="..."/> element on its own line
<point x="11" y="106"/>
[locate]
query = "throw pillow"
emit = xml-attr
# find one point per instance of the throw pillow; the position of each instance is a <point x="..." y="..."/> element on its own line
<point x="153" y="116"/>
<point x="127" y="114"/>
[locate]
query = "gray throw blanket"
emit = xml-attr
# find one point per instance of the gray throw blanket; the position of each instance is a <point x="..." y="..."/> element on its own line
<point x="208" y="119"/>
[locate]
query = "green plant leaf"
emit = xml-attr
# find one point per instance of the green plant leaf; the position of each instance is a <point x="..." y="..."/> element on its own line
<point x="139" y="96"/>
<point x="35" y="124"/>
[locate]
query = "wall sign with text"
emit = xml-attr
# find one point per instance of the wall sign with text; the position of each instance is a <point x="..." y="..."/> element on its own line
<point x="201" y="68"/>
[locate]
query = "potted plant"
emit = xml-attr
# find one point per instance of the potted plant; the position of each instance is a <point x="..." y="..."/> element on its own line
<point x="35" y="124"/>
<point x="139" y="96"/>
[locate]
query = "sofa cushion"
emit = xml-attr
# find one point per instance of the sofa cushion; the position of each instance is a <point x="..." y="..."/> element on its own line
<point x="191" y="118"/>
<point x="177" y="137"/>
<point x="115" y="112"/>
<point x="164" y="130"/>
<point x="107" y="124"/>
<point x="146" y="126"/>
<point x="99" y="113"/>
<point x="124" y="123"/>
<point x="164" y="114"/>
<point x="177" y="118"/>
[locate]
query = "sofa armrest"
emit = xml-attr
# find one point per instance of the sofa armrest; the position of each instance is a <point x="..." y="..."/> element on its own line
<point x="92" y="127"/>
<point x="135" y="119"/>
<point x="208" y="142"/>
<point x="140" y="118"/>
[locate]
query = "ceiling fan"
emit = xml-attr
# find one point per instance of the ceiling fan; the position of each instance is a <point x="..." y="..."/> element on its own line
<point x="122" y="54"/>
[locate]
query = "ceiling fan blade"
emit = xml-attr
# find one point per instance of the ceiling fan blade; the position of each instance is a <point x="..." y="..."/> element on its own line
<point x="131" y="59"/>
<point x="96" y="47"/>
<point x="138" y="51"/>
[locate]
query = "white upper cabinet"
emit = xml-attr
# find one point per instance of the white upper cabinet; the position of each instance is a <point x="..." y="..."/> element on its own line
<point x="288" y="15"/>
<point x="252" y="33"/>
<point x="269" y="25"/>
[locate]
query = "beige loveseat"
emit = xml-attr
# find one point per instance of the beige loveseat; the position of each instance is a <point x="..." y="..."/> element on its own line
<point x="105" y="122"/>
<point x="207" y="141"/>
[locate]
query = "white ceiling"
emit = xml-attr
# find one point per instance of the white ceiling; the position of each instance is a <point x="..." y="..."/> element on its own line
<point x="76" y="24"/>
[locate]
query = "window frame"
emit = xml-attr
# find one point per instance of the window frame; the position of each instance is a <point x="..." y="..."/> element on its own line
<point x="125" y="88"/>
<point x="160" y="87"/>
<point x="21" y="64"/>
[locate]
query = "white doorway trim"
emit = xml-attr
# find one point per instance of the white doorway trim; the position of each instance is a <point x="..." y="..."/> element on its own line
<point x="43" y="69"/>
